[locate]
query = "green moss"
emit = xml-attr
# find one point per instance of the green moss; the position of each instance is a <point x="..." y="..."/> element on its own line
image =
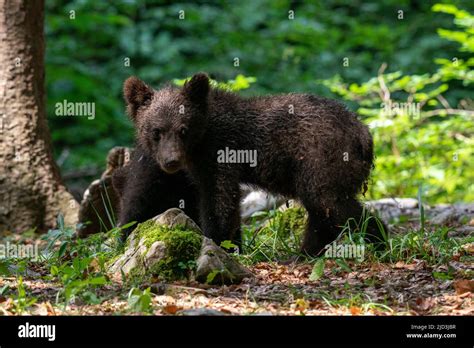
<point x="138" y="273"/>
<point x="182" y="248"/>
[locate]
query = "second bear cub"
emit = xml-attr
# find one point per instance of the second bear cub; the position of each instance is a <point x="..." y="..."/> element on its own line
<point x="298" y="145"/>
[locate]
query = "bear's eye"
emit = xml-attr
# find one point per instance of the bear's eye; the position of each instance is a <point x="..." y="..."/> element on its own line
<point x="156" y="134"/>
<point x="183" y="132"/>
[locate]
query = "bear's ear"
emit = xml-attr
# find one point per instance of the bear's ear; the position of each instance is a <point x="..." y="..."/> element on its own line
<point x="197" y="88"/>
<point x="136" y="94"/>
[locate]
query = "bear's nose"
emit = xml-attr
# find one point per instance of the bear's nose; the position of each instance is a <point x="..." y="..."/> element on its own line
<point x="172" y="164"/>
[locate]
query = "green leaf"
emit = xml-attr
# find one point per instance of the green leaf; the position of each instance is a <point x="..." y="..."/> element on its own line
<point x="318" y="270"/>
<point x="91" y="298"/>
<point x="442" y="276"/>
<point x="54" y="270"/>
<point x="227" y="244"/>
<point x="139" y="301"/>
<point x="60" y="221"/>
<point x="130" y="224"/>
<point x="343" y="264"/>
<point x="3" y="289"/>
<point x="4" y="269"/>
<point x="98" y="281"/>
<point x="212" y="275"/>
<point x="62" y="249"/>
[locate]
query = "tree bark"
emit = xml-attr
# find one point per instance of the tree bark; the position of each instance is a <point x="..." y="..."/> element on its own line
<point x="31" y="192"/>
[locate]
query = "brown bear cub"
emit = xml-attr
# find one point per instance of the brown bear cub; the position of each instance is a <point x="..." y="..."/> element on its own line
<point x="301" y="146"/>
<point x="145" y="191"/>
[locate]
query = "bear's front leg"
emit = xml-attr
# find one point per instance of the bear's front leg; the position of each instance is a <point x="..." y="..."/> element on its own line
<point x="139" y="185"/>
<point x="220" y="208"/>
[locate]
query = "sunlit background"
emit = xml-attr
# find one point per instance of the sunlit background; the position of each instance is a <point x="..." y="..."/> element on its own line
<point x="332" y="48"/>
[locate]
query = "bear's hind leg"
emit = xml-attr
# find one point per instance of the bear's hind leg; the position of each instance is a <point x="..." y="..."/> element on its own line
<point x="326" y="221"/>
<point x="362" y="219"/>
<point x="320" y="230"/>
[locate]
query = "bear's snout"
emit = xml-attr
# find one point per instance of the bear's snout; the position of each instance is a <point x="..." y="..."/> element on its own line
<point x="171" y="165"/>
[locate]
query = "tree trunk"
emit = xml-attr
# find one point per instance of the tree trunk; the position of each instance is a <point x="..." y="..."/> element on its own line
<point x="31" y="192"/>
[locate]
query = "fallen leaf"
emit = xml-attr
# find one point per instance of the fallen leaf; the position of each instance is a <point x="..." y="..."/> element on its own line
<point x="464" y="285"/>
<point x="94" y="264"/>
<point x="40" y="309"/>
<point x="301" y="304"/>
<point x="50" y="308"/>
<point x="424" y="304"/>
<point x="171" y="309"/>
<point x="355" y="310"/>
<point x="409" y="266"/>
<point x="318" y="270"/>
<point x="469" y="248"/>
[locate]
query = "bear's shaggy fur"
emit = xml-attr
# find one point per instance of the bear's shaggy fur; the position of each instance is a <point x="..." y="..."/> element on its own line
<point x="309" y="148"/>
<point x="146" y="191"/>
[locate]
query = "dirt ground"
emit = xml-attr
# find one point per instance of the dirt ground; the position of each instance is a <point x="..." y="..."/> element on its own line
<point x="376" y="289"/>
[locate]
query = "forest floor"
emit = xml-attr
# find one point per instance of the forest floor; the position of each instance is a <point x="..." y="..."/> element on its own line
<point x="423" y="279"/>
<point x="369" y="289"/>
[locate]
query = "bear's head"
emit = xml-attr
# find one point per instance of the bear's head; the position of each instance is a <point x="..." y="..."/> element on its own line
<point x="169" y="122"/>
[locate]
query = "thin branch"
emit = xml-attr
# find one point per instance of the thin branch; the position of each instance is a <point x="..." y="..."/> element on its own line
<point x="444" y="102"/>
<point x="386" y="93"/>
<point x="448" y="112"/>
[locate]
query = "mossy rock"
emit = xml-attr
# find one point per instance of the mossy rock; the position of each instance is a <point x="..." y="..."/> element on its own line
<point x="216" y="266"/>
<point x="293" y="220"/>
<point x="289" y="221"/>
<point x="160" y="251"/>
<point x="171" y="247"/>
<point x="280" y="236"/>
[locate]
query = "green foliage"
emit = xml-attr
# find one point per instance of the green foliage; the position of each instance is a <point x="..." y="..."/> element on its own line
<point x="240" y="82"/>
<point x="21" y="301"/>
<point x="211" y="276"/>
<point x="435" y="247"/>
<point x="140" y="301"/>
<point x="4" y="271"/>
<point x="318" y="270"/>
<point x="359" y="300"/>
<point x="278" y="238"/>
<point x="227" y="245"/>
<point x="63" y="244"/>
<point x="4" y="289"/>
<point x="420" y="138"/>
<point x="78" y="277"/>
<point x="79" y="264"/>
<point x="464" y="20"/>
<point x="62" y="234"/>
<point x="87" y="56"/>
